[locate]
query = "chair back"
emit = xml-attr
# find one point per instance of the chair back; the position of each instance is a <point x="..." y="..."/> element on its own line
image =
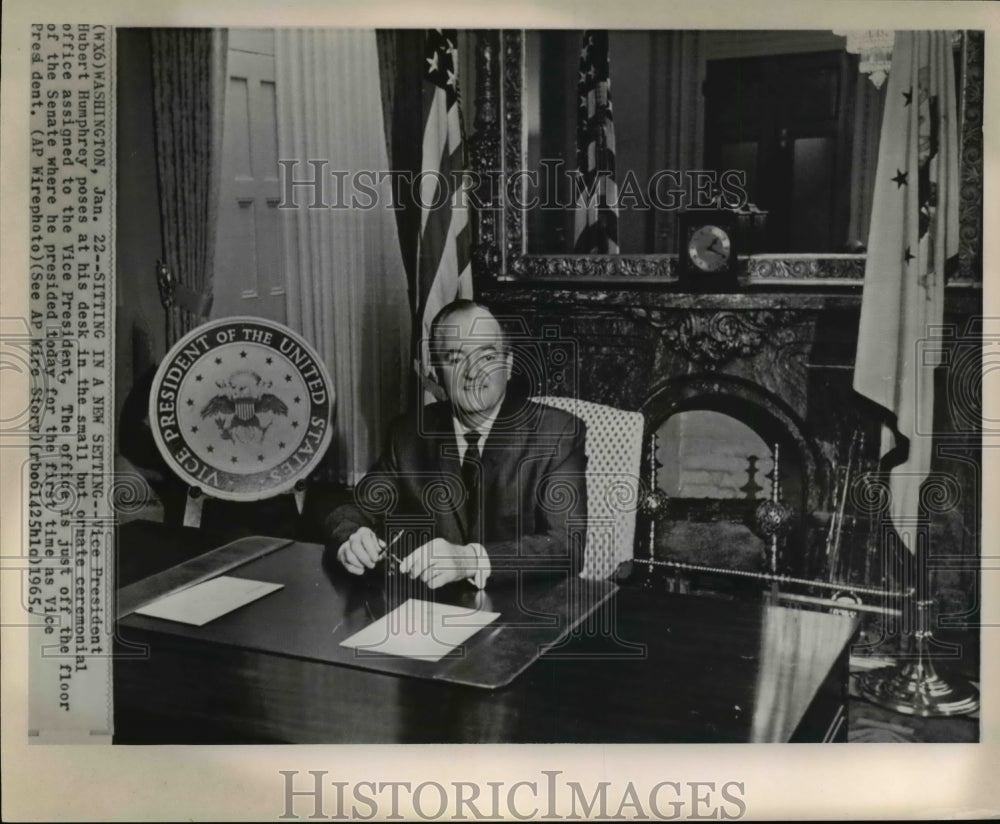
<point x="614" y="453"/>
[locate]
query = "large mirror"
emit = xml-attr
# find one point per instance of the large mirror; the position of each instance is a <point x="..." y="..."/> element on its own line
<point x="783" y="119"/>
<point x="782" y="123"/>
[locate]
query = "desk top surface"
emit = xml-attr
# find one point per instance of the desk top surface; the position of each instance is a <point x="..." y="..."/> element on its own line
<point x="317" y="609"/>
<point x="627" y="653"/>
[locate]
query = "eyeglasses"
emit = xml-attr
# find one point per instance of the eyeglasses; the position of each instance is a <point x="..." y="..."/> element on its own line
<point x="477" y="356"/>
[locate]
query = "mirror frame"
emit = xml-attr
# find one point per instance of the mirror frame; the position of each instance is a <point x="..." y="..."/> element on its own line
<point x="500" y="242"/>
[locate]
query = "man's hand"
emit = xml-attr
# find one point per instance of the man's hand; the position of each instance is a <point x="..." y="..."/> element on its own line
<point x="440" y="562"/>
<point x="361" y="551"/>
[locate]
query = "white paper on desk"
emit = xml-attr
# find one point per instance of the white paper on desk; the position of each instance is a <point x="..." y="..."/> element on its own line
<point x="420" y="629"/>
<point x="206" y="601"/>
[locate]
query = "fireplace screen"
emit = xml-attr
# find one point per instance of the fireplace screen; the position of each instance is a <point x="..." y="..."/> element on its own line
<point x="716" y="471"/>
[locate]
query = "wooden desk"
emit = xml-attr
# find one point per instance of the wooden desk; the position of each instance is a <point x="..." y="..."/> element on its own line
<point x="631" y="665"/>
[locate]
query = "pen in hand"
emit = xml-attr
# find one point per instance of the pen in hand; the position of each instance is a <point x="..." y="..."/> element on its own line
<point x="387" y="549"/>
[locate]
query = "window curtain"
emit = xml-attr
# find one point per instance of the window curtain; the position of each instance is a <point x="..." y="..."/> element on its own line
<point x="188" y="95"/>
<point x="346" y="284"/>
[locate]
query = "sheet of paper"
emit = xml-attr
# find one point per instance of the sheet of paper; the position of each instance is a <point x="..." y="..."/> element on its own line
<point x="420" y="629"/>
<point x="208" y="600"/>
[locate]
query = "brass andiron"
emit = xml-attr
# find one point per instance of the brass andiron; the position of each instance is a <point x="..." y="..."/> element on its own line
<point x="654" y="501"/>
<point x="772" y="518"/>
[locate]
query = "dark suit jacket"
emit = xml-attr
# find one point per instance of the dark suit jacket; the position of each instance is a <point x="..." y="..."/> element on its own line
<point x="532" y="509"/>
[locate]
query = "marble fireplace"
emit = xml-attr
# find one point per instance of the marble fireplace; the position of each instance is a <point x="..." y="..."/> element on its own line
<point x="723" y="379"/>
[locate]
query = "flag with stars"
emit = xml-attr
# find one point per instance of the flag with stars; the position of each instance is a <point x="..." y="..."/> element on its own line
<point x="914" y="231"/>
<point x="596" y="222"/>
<point x="443" y="271"/>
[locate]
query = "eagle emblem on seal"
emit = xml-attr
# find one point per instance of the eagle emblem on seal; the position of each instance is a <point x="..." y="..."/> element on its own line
<point x="244" y="410"/>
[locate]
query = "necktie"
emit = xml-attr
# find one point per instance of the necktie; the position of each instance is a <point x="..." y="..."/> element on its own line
<point x="470" y="476"/>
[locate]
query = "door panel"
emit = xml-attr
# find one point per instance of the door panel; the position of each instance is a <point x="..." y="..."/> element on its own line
<point x="248" y="275"/>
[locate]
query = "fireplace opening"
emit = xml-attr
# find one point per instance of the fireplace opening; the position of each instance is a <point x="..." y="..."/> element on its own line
<point x="715" y="460"/>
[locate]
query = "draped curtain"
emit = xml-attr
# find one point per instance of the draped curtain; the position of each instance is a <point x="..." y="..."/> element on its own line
<point x="402" y="92"/>
<point x="869" y="103"/>
<point x="675" y="136"/>
<point x="346" y="284"/>
<point x="188" y="96"/>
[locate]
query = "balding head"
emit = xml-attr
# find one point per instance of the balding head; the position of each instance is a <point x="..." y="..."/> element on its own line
<point x="470" y="355"/>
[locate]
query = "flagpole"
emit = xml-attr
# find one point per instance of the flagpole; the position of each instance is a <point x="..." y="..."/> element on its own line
<point x="914" y="231"/>
<point x="914" y="686"/>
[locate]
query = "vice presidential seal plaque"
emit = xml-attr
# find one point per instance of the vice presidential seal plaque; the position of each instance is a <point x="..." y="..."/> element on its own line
<point x="242" y="408"/>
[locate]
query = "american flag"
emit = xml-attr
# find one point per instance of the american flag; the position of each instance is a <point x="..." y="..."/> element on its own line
<point x="444" y="271"/>
<point x="596" y="225"/>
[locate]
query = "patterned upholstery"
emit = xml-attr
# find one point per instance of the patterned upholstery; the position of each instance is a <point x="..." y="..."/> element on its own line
<point x="614" y="450"/>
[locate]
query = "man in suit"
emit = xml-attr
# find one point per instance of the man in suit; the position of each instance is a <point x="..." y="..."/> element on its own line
<point x="493" y="481"/>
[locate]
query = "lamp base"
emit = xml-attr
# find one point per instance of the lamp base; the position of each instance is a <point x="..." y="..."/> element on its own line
<point x="914" y="688"/>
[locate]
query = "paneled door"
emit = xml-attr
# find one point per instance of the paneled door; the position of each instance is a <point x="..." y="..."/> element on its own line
<point x="248" y="276"/>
